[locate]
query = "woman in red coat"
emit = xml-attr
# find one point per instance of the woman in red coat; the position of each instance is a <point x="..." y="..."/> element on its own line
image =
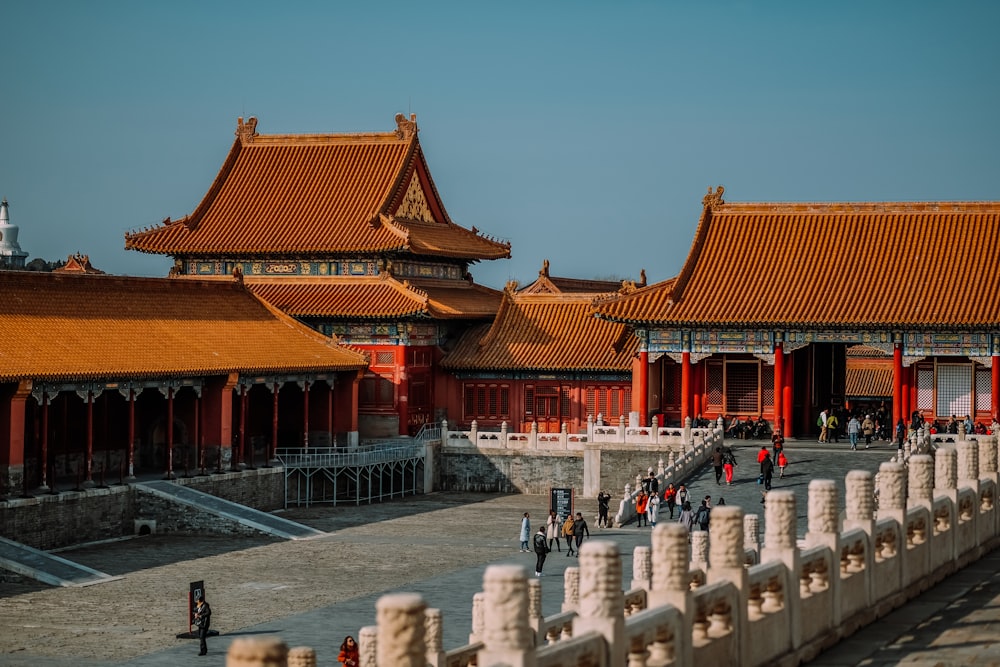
<point x="349" y="653"/>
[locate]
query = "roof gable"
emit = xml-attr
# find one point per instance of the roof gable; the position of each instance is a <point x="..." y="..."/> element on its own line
<point x="283" y="195"/>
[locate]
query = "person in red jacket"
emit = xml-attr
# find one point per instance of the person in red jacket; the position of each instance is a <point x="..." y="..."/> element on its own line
<point x="349" y="653"/>
<point x="762" y="454"/>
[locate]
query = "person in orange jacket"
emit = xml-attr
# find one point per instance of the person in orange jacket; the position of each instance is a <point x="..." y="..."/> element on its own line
<point x="782" y="462"/>
<point x="640" y="509"/>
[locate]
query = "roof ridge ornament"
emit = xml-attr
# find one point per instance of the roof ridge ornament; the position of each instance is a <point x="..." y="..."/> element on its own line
<point x="713" y="199"/>
<point x="406" y="128"/>
<point x="245" y="132"/>
<point x="544" y="273"/>
<point x="510" y="287"/>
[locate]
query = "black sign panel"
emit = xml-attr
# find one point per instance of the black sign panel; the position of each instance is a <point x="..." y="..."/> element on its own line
<point x="197" y="590"/>
<point x="561" y="502"/>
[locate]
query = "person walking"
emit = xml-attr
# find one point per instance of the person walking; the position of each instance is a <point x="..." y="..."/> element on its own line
<point x="653" y="509"/>
<point x="821" y="422"/>
<point x="567" y="529"/>
<point x="349" y="655"/>
<point x="728" y="466"/>
<point x="686" y="517"/>
<point x="832" y="428"/>
<point x="782" y="462"/>
<point x="670" y="497"/>
<point x="202" y="621"/>
<point x="525" y="532"/>
<point x="701" y="517"/>
<point x="868" y="429"/>
<point x="778" y="442"/>
<point x="541" y="548"/>
<point x="640" y="508"/>
<point x="682" y="495"/>
<point x="717" y="464"/>
<point x="579" y="530"/>
<point x="553" y="528"/>
<point x="767" y="470"/>
<point x="853" y="430"/>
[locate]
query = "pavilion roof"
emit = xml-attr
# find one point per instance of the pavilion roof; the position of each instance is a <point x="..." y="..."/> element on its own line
<point x="80" y="326"/>
<point x="302" y="194"/>
<point x="547" y="332"/>
<point x="870" y="380"/>
<point x="377" y="297"/>
<point x="932" y="264"/>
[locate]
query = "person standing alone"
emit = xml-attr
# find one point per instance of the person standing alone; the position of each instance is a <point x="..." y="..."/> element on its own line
<point x="541" y="547"/>
<point x="525" y="532"/>
<point x="202" y="620"/>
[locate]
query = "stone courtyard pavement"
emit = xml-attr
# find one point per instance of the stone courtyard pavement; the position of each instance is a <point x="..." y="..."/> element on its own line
<point x="315" y="592"/>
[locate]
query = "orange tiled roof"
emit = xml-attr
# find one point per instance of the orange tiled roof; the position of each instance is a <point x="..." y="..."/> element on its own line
<point x="868" y="381"/>
<point x="841" y="264"/>
<point x="78" y="263"/>
<point x="379" y="297"/>
<point x="282" y="195"/>
<point x="554" y="332"/>
<point x="865" y="352"/>
<point x="76" y="326"/>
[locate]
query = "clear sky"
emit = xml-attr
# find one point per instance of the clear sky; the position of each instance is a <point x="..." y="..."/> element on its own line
<point x="583" y="132"/>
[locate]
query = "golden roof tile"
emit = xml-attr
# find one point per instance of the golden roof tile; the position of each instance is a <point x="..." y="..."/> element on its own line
<point x="547" y="332"/>
<point x="376" y="297"/>
<point x="868" y="381"/>
<point x="282" y="195"/>
<point x="831" y="264"/>
<point x="76" y="326"/>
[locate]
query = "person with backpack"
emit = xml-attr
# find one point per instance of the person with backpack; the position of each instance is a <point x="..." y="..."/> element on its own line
<point x="567" y="529"/>
<point x="701" y="517"/>
<point x="728" y="466"/>
<point x="541" y="547"/>
<point x="686" y="517"/>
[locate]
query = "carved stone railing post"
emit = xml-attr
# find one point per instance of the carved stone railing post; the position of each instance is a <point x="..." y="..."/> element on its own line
<point x="257" y="652"/>
<point x="602" y="607"/>
<point x="400" y="621"/>
<point x="946" y="473"/>
<point x="590" y="428"/>
<point x="687" y="430"/>
<point x="860" y="501"/>
<point x="302" y="656"/>
<point x="368" y="646"/>
<point x="642" y="567"/>
<point x="571" y="589"/>
<point x="699" y="549"/>
<point x="507" y="637"/>
<point x="535" y="617"/>
<point x="968" y="464"/>
<point x="621" y="428"/>
<point x="988" y="458"/>
<point x="533" y="436"/>
<point x="920" y="482"/>
<point x="824" y="531"/>
<point x="670" y="582"/>
<point x="892" y="492"/>
<point x="780" y="544"/>
<point x="751" y="535"/>
<point x="660" y="468"/>
<point x="433" y="637"/>
<point x="503" y="434"/>
<point x="478" y="617"/>
<point x="474" y="433"/>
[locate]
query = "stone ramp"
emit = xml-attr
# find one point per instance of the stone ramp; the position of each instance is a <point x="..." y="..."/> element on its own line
<point x="247" y="516"/>
<point x="47" y="568"/>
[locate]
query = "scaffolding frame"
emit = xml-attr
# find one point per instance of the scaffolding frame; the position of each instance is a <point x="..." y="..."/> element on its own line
<point x="334" y="474"/>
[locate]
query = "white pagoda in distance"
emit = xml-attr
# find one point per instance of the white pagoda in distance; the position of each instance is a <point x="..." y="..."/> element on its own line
<point x="11" y="255"/>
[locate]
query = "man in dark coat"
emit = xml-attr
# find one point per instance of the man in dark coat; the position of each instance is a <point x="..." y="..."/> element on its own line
<point x="202" y="620"/>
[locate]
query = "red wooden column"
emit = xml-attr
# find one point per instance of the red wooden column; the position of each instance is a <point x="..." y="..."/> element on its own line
<point x="779" y="386"/>
<point x="170" y="433"/>
<point x="402" y="390"/>
<point x="643" y="387"/>
<point x="329" y="410"/>
<point x="995" y="387"/>
<point x="45" y="442"/>
<point x="12" y="409"/>
<point x="697" y="388"/>
<point x="685" y="387"/>
<point x="897" y="384"/>
<point x="274" y="425"/>
<point x="786" y="398"/>
<point x="305" y="415"/>
<point x="905" y="409"/>
<point x="131" y="434"/>
<point x="199" y="451"/>
<point x="88" y="460"/>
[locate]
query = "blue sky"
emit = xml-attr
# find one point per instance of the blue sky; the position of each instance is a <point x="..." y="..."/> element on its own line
<point x="582" y="132"/>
